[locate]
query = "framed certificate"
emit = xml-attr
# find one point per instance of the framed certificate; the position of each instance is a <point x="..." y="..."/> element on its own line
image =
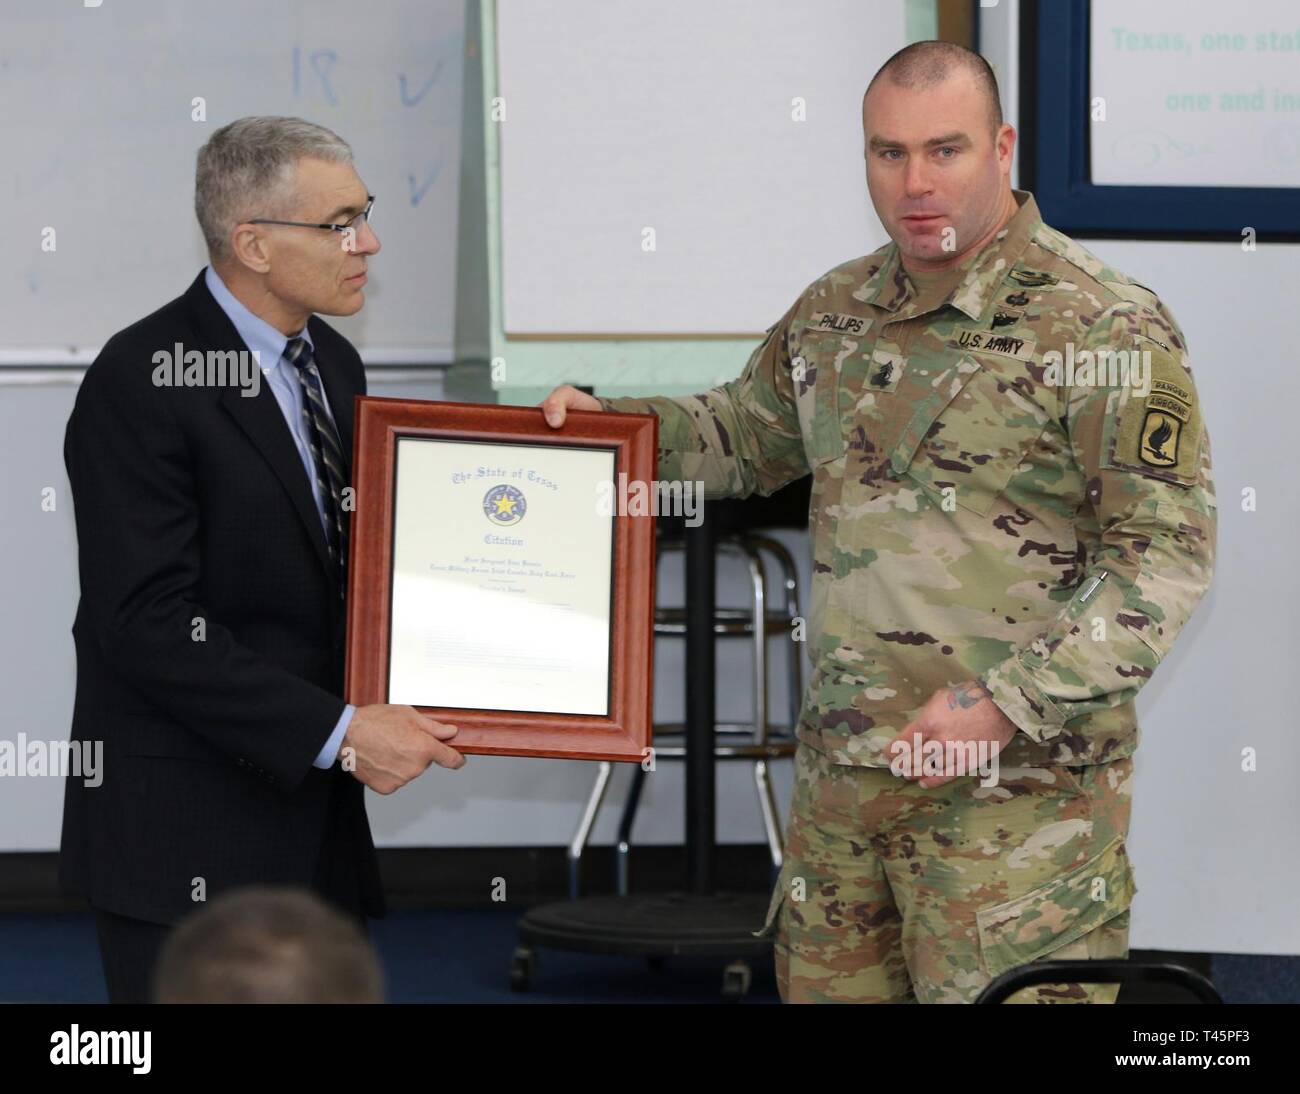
<point x="498" y="578"/>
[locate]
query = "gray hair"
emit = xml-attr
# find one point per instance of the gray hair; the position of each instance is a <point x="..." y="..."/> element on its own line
<point x="246" y="169"/>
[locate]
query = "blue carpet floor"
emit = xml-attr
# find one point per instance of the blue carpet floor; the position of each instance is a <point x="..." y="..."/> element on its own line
<point x="428" y="957"/>
<point x="464" y="957"/>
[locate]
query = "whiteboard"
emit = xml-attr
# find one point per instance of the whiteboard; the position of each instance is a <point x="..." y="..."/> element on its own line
<point x="1195" y="95"/>
<point x="100" y="145"/>
<point x="682" y="118"/>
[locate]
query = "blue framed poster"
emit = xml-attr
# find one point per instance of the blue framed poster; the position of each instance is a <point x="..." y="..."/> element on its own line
<point x="1159" y="121"/>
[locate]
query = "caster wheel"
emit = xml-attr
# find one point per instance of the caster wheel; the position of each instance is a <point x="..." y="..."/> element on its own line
<point x="522" y="966"/>
<point x="736" y="979"/>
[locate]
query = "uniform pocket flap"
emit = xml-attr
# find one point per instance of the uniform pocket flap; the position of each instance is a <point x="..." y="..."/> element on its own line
<point x="817" y="394"/>
<point x="970" y="437"/>
<point x="1022" y="930"/>
<point x="946" y="388"/>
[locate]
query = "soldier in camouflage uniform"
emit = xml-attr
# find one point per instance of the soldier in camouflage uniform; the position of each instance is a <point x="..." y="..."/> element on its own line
<point x="1008" y="531"/>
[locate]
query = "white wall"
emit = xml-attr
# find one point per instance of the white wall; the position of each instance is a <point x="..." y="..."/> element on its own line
<point x="1213" y="845"/>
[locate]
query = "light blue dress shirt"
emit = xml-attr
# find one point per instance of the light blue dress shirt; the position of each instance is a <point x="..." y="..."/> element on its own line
<point x="268" y="344"/>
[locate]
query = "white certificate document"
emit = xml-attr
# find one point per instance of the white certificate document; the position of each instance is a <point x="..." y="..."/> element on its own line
<point x="502" y="577"/>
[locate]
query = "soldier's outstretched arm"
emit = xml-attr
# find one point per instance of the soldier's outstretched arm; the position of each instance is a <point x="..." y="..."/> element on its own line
<point x="740" y="437"/>
<point x="1146" y="460"/>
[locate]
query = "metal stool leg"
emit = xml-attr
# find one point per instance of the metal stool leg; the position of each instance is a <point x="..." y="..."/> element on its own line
<point x="758" y="605"/>
<point x="752" y="549"/>
<point x="790" y="578"/>
<point x="762" y="728"/>
<point x="767" y="802"/>
<point x="790" y="582"/>
<point x="624" y="845"/>
<point x="771" y="813"/>
<point x="580" y="837"/>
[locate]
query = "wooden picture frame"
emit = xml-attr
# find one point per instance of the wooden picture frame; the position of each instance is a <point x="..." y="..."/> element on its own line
<point x="414" y="443"/>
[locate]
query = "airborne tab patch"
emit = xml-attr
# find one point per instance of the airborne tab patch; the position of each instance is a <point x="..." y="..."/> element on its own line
<point x="837" y="323"/>
<point x="1180" y="410"/>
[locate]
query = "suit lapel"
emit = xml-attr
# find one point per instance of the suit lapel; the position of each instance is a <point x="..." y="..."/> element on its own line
<point x="261" y="419"/>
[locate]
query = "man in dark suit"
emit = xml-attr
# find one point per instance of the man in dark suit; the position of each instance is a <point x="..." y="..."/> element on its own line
<point x="212" y="505"/>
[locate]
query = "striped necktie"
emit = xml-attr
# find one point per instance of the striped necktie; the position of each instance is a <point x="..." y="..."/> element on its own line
<point x="326" y="452"/>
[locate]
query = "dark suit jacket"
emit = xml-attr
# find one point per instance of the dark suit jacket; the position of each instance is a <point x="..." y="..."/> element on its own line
<point x="193" y="504"/>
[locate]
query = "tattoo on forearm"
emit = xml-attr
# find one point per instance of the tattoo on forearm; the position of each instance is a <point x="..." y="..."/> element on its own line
<point x="968" y="695"/>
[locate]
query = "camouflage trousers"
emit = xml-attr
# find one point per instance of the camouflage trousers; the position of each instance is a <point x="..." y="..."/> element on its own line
<point x="894" y="894"/>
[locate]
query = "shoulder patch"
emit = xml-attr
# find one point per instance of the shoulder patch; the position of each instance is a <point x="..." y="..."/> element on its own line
<point x="1158" y="423"/>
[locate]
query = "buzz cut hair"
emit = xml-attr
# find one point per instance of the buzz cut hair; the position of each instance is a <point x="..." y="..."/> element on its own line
<point x="268" y="944"/>
<point x="925" y="64"/>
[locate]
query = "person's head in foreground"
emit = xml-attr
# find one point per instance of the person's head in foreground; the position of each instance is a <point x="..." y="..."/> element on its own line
<point x="268" y="945"/>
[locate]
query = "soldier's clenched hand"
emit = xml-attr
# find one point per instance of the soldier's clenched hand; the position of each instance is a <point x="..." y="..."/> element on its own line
<point x="965" y="713"/>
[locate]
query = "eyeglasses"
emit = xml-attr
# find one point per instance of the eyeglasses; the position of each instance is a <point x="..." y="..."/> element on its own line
<point x="353" y="225"/>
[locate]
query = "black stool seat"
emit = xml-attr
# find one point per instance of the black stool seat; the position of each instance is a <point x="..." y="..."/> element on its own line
<point x="663" y="925"/>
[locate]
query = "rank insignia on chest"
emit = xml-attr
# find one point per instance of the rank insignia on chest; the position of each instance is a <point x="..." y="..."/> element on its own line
<point x="884" y="370"/>
<point x="1033" y="279"/>
<point x="838" y="323"/>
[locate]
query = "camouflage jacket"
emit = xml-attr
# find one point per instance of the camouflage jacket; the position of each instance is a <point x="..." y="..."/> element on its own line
<point x="994" y="495"/>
